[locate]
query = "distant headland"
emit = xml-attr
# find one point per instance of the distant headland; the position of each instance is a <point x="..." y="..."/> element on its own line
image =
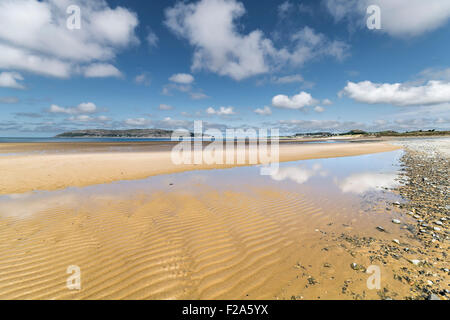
<point x="103" y="133"/>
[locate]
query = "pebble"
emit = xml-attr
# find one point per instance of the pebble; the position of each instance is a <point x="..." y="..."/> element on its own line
<point x="396" y="241"/>
<point x="433" y="297"/>
<point x="437" y="229"/>
<point x="439" y="223"/>
<point x="415" y="262"/>
<point x="358" y="267"/>
<point x="381" y="229"/>
<point x="396" y="221"/>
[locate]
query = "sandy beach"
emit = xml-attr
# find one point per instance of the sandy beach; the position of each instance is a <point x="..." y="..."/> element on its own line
<point x="29" y="167"/>
<point x="308" y="232"/>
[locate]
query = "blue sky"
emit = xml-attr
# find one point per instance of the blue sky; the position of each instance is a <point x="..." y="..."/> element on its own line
<point x="299" y="66"/>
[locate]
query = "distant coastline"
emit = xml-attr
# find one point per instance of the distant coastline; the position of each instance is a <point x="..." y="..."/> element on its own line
<point x="166" y="134"/>
<point x="132" y="133"/>
<point x="361" y="133"/>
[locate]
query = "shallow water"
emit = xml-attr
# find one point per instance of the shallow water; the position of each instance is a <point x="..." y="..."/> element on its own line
<point x="358" y="175"/>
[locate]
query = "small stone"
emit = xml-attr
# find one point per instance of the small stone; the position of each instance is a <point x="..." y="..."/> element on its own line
<point x="381" y="229"/>
<point x="433" y="297"/>
<point x="415" y="262"/>
<point x="396" y="203"/>
<point x="443" y="219"/>
<point x="437" y="229"/>
<point x="396" y="241"/>
<point x="396" y="221"/>
<point x="358" y="267"/>
<point x="439" y="223"/>
<point x="429" y="282"/>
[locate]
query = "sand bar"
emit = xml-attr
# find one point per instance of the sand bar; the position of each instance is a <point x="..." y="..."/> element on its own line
<point x="29" y="167"/>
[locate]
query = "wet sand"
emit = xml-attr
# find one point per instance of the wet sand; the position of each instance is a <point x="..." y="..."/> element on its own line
<point x="202" y="243"/>
<point x="306" y="232"/>
<point x="28" y="167"/>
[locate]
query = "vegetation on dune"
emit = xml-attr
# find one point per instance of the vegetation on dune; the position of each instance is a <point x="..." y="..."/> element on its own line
<point x="388" y="133"/>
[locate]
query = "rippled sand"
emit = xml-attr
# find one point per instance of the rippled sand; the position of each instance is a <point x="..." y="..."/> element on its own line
<point x="195" y="236"/>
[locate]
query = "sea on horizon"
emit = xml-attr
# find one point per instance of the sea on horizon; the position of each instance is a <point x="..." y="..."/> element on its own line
<point x="53" y="139"/>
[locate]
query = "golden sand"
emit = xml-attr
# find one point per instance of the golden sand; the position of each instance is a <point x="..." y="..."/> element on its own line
<point x="50" y="166"/>
<point x="197" y="242"/>
<point x="261" y="244"/>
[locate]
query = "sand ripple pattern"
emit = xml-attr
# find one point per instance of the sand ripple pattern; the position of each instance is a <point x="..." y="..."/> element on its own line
<point x="210" y="245"/>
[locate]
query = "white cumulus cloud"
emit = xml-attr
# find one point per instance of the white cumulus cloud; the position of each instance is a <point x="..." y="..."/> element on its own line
<point x="298" y="101"/>
<point x="10" y="80"/>
<point x="398" y="17"/>
<point x="327" y="102"/>
<point x="101" y="70"/>
<point x="211" y="27"/>
<point x="263" y="111"/>
<point x="182" y="78"/>
<point x="222" y="111"/>
<point x="319" y="109"/>
<point x="399" y="94"/>
<point x="34" y="36"/>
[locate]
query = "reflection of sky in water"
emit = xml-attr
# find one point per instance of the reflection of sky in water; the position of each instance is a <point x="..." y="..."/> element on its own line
<point x="358" y="174"/>
<point x="346" y="175"/>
